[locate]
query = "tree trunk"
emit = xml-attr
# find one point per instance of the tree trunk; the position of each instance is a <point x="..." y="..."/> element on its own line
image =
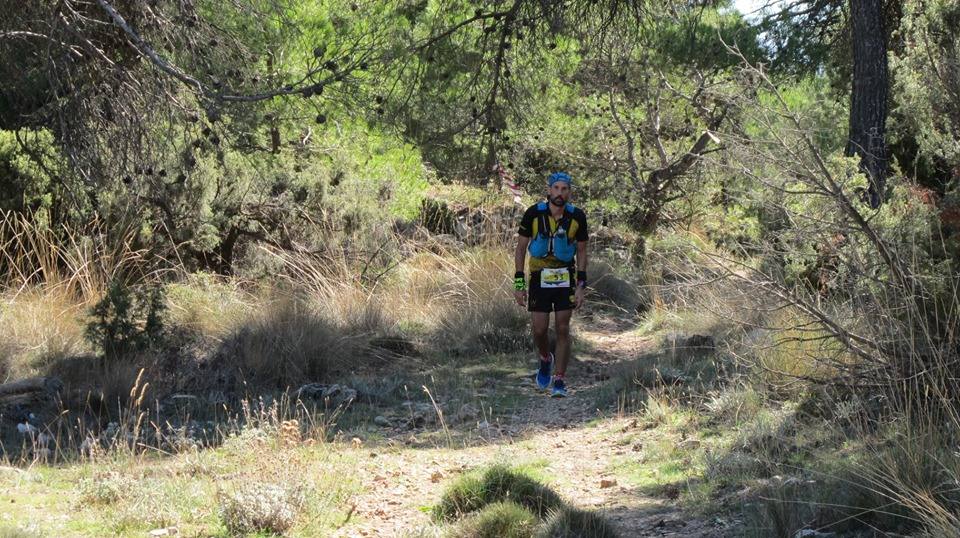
<point x="868" y="100"/>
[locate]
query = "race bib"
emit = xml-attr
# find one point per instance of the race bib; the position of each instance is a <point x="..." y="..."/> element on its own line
<point x="555" y="278"/>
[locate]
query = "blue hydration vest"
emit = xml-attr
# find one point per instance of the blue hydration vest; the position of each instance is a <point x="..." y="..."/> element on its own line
<point x="559" y="244"/>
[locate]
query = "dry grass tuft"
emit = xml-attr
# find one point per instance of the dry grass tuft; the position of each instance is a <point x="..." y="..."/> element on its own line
<point x="463" y="299"/>
<point x="290" y="342"/>
<point x="106" y="488"/>
<point x="569" y="522"/>
<point x="38" y="327"/>
<point x="498" y="520"/>
<point x="209" y="305"/>
<point x="472" y="492"/>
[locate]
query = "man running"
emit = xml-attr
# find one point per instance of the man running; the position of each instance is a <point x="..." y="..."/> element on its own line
<point x="555" y="234"/>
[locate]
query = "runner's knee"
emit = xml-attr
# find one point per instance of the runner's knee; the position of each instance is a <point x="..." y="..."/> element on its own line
<point x="539" y="332"/>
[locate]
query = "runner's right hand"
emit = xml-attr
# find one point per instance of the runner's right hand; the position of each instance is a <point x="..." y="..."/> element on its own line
<point x="521" y="297"/>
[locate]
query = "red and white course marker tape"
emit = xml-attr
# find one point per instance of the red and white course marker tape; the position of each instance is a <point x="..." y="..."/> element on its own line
<point x="507" y="180"/>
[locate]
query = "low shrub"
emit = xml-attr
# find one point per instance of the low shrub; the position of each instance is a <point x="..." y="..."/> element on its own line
<point x="472" y="492"/>
<point x="126" y="320"/>
<point x="609" y="288"/>
<point x="498" y="520"/>
<point x="260" y="508"/>
<point x="106" y="488"/>
<point x="568" y="522"/>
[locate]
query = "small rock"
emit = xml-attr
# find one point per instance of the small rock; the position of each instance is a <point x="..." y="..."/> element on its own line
<point x="415" y="422"/>
<point x="607" y="483"/>
<point x="436" y="477"/>
<point x="311" y="391"/>
<point x="383" y="421"/>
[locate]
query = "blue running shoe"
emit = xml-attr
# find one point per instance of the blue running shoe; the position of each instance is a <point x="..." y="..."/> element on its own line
<point x="559" y="388"/>
<point x="543" y="373"/>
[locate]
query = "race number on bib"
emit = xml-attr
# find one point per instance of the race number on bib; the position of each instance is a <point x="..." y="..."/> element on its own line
<point x="555" y="278"/>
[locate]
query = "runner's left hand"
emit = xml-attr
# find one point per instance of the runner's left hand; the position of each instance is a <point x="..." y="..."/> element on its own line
<point x="578" y="298"/>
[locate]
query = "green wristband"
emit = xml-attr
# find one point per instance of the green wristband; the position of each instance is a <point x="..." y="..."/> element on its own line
<point x="519" y="283"/>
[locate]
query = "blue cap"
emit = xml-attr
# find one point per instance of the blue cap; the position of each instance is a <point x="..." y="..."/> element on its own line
<point x="559" y="176"/>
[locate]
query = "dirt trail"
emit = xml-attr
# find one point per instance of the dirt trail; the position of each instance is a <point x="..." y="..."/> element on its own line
<point x="579" y="442"/>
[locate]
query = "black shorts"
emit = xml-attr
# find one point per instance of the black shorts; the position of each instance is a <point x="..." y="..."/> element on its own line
<point x="550" y="299"/>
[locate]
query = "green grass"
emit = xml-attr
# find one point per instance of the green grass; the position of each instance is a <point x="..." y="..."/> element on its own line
<point x="14" y="532"/>
<point x="661" y="463"/>
<point x="509" y="501"/>
<point x="568" y="522"/>
<point x="130" y="495"/>
<point x="472" y="492"/>
<point x="505" y="519"/>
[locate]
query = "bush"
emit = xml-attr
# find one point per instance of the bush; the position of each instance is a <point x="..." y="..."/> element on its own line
<point x="838" y="504"/>
<point x="101" y="385"/>
<point x="498" y="520"/>
<point x="106" y="488"/>
<point x="125" y="321"/>
<point x="473" y="492"/>
<point x="260" y="508"/>
<point x="567" y="522"/>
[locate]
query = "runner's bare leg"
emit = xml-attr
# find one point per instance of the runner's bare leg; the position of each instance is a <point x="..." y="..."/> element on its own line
<point x="541" y="323"/>
<point x="563" y="340"/>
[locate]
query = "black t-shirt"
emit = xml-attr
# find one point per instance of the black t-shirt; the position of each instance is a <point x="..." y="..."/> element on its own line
<point x="576" y="231"/>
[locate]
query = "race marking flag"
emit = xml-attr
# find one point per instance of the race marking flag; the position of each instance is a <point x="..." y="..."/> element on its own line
<point x="507" y="180"/>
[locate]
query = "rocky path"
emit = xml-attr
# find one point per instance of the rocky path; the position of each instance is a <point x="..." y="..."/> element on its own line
<point x="578" y="442"/>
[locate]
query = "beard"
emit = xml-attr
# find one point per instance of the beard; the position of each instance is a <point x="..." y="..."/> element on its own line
<point x="557" y="200"/>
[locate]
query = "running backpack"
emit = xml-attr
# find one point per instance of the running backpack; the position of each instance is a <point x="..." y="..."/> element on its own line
<point x="559" y="243"/>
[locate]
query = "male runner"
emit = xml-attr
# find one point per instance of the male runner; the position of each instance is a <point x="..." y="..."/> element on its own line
<point x="554" y="232"/>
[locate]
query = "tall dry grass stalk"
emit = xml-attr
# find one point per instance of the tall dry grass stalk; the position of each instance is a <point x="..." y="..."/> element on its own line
<point x="50" y="277"/>
<point x="458" y="292"/>
<point x="82" y="262"/>
<point x="443" y="291"/>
